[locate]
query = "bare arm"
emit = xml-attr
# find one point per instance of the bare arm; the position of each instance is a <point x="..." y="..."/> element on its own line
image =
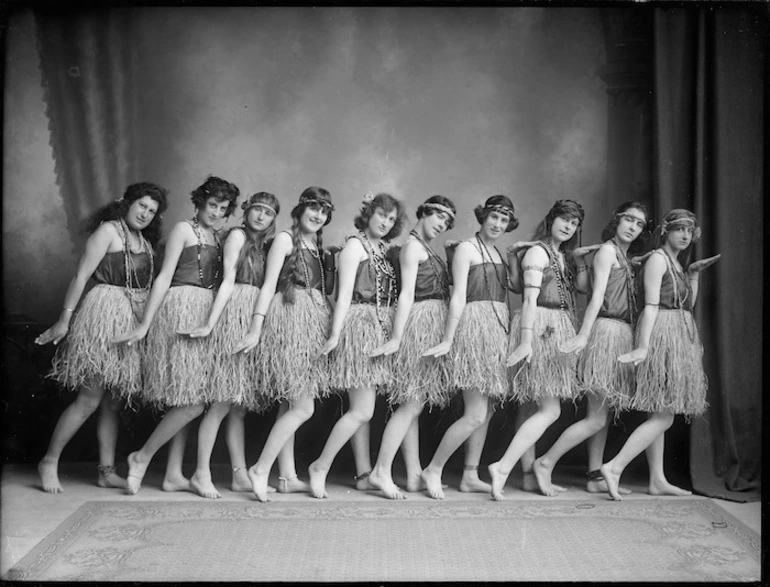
<point x="654" y="270"/>
<point x="693" y="273"/>
<point x="535" y="260"/>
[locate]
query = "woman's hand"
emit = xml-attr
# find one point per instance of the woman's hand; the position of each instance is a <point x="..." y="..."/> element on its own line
<point x="247" y="343"/>
<point x="636" y="356"/>
<point x="640" y="259"/>
<point x="328" y="346"/>
<point x="521" y="352"/>
<point x="199" y="332"/>
<point x="55" y="333"/>
<point x="697" y="266"/>
<point x="519" y="245"/>
<point x="439" y="350"/>
<point x="386" y="349"/>
<point x="581" y="252"/>
<point x="574" y="344"/>
<point x="132" y="337"/>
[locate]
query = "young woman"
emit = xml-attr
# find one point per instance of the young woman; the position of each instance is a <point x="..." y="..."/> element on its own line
<point x="119" y="257"/>
<point x="362" y="318"/>
<point x="669" y="355"/>
<point x="177" y="368"/>
<point x="475" y="338"/>
<point x="290" y="328"/>
<point x="606" y="332"/>
<point x="547" y="319"/>
<point x="234" y="377"/>
<point x="417" y="326"/>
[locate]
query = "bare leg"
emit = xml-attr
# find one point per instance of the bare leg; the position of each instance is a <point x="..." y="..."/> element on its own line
<point x="526" y="436"/>
<point x="659" y="485"/>
<point x="207" y="436"/>
<point x="235" y="437"/>
<point x="72" y="418"/>
<point x="107" y="437"/>
<point x="360" y="411"/>
<point x="174" y="479"/>
<point x="288" y="480"/>
<point x="529" y="482"/>
<point x="639" y="440"/>
<point x="474" y="416"/>
<point x="299" y="412"/>
<point x="474" y="446"/>
<point x="596" y="444"/>
<point x="173" y="422"/>
<point x="410" y="452"/>
<point x="595" y="421"/>
<point x="395" y="432"/>
<point x="359" y="442"/>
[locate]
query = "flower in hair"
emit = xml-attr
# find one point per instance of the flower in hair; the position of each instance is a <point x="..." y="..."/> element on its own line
<point x="368" y="197"/>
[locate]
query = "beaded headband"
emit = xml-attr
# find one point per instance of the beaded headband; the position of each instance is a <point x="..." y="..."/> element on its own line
<point x="310" y="200"/>
<point x="440" y="208"/>
<point x="246" y="206"/>
<point x="501" y="208"/>
<point x="668" y="225"/>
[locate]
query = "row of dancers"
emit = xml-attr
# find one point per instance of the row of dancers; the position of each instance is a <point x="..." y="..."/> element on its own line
<point x="254" y="318"/>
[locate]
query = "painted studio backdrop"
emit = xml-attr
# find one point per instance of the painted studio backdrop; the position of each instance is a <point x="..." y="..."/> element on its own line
<point x="601" y="106"/>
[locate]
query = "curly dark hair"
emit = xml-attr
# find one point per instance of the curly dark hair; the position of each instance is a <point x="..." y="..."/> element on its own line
<point x="425" y="209"/>
<point x="671" y="221"/>
<point x="500" y="202"/>
<point x="568" y="208"/>
<point x="215" y="187"/>
<point x="118" y="209"/>
<point x="387" y="203"/>
<point x="642" y="242"/>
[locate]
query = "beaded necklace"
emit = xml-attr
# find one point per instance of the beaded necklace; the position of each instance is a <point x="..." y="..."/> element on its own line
<point x="197" y="231"/>
<point x="137" y="295"/>
<point x="382" y="267"/>
<point x="629" y="273"/>
<point x="483" y="249"/>
<point x="565" y="291"/>
<point x="316" y="254"/>
<point x="675" y="273"/>
<point x="436" y="263"/>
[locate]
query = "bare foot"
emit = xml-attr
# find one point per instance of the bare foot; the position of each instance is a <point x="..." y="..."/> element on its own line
<point x="415" y="483"/>
<point x="291" y="485"/>
<point x="498" y="481"/>
<point x="613" y="480"/>
<point x="362" y="482"/>
<point x="202" y="485"/>
<point x="136" y="471"/>
<point x="49" y="476"/>
<point x="109" y="478"/>
<point x="173" y="483"/>
<point x="317" y="480"/>
<point x="386" y="485"/>
<point x="600" y="486"/>
<point x="543" y="476"/>
<point x="259" y="484"/>
<point x="471" y="483"/>
<point x="663" y="487"/>
<point x="241" y="481"/>
<point x="529" y="483"/>
<point x="432" y="481"/>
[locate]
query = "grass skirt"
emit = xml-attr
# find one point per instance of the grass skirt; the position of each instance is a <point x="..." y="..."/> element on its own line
<point x="350" y="364"/>
<point x="88" y="354"/>
<point x="291" y="338"/>
<point x="672" y="379"/>
<point x="234" y="377"/>
<point x="551" y="373"/>
<point x="178" y="368"/>
<point x="480" y="348"/>
<point x="426" y="380"/>
<point x="600" y="371"/>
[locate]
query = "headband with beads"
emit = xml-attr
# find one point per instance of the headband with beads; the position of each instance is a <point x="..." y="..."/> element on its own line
<point x="248" y="205"/>
<point x="440" y="208"/>
<point x="668" y="225"/>
<point x="311" y="200"/>
<point x="500" y="208"/>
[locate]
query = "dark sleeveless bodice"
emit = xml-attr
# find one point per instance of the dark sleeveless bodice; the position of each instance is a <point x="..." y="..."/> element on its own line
<point x="365" y="287"/>
<point x="112" y="269"/>
<point x="483" y="287"/>
<point x="430" y="283"/>
<point x="615" y="303"/>
<point x="187" y="271"/>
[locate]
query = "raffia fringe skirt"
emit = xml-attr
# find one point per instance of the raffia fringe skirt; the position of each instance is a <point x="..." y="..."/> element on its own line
<point x="426" y="380"/>
<point x="88" y="354"/>
<point x="234" y="377"/>
<point x="350" y="364"/>
<point x="178" y="368"/>
<point x="291" y="338"/>
<point x="551" y="373"/>
<point x="672" y="379"/>
<point x="600" y="371"/>
<point x="480" y="348"/>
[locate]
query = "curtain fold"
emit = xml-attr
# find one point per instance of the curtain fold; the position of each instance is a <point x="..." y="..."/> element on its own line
<point x="87" y="68"/>
<point x="710" y="89"/>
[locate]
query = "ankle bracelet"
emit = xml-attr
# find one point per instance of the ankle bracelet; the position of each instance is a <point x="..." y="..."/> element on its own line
<point x="595" y="475"/>
<point x="362" y="476"/>
<point x="236" y="469"/>
<point x="287" y="479"/>
<point x="105" y="470"/>
<point x="470" y="467"/>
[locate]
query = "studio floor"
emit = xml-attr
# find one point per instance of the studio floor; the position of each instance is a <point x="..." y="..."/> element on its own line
<point x="29" y="514"/>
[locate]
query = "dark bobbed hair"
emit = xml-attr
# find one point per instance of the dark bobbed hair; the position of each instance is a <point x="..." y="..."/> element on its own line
<point x="568" y="208"/>
<point x="117" y="209"/>
<point x="215" y="187"/>
<point x="424" y="209"/>
<point x="642" y="242"/>
<point x="388" y="203"/>
<point x="670" y="222"/>
<point x="482" y="212"/>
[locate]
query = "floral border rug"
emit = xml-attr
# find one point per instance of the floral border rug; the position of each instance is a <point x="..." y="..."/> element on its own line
<point x="536" y="540"/>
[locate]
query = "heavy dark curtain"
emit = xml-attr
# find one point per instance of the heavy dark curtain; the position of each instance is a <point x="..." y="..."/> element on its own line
<point x="709" y="146"/>
<point x="86" y="64"/>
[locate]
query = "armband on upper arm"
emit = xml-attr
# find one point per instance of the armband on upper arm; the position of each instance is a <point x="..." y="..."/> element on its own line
<point x="531" y="285"/>
<point x="532" y="268"/>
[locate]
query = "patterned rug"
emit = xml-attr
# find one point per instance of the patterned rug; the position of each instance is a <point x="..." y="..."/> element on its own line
<point x="535" y="540"/>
